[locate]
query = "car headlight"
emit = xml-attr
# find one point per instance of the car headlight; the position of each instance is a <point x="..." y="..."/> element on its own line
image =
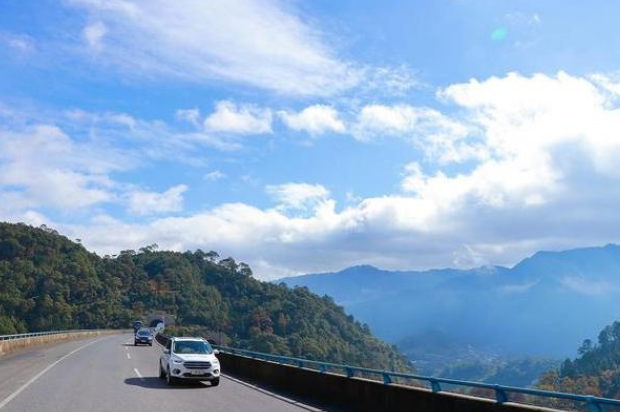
<point x="177" y="360"/>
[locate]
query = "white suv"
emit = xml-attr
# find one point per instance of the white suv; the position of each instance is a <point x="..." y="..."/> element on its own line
<point x="189" y="358"/>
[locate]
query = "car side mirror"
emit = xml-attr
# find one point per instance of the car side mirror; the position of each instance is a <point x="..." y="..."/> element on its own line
<point x="167" y="351"/>
<point x="216" y="352"/>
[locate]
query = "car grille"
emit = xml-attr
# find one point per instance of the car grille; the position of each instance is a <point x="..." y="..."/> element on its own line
<point x="190" y="375"/>
<point x="197" y="365"/>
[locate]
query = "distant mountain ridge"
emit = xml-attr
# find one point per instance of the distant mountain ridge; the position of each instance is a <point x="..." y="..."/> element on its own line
<point x="545" y="305"/>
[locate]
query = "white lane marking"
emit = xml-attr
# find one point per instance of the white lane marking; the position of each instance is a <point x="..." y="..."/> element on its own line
<point x="38" y="375"/>
<point x="138" y="373"/>
<point x="128" y="356"/>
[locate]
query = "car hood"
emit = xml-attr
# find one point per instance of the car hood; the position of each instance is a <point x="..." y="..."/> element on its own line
<point x="199" y="358"/>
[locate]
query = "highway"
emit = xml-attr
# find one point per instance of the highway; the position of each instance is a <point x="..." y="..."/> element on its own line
<point x="110" y="374"/>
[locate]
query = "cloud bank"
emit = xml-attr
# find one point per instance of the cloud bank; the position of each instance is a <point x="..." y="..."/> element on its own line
<point x="506" y="166"/>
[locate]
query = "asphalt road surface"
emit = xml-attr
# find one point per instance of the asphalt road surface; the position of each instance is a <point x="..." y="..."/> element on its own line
<point x="110" y="374"/>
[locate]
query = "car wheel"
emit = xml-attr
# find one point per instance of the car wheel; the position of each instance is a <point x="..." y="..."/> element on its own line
<point x="151" y="344"/>
<point x="215" y="382"/>
<point x="162" y="373"/>
<point x="170" y="380"/>
<point x="135" y="343"/>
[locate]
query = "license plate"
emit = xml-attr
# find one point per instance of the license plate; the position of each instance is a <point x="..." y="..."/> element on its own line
<point x="199" y="372"/>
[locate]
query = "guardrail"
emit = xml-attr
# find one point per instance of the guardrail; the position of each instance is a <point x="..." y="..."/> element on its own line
<point x="162" y="339"/>
<point x="35" y="334"/>
<point x="594" y="404"/>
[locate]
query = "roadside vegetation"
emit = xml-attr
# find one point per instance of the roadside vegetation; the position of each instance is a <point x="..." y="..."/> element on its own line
<point x="595" y="372"/>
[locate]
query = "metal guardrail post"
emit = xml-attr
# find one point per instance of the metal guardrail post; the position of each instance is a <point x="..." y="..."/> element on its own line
<point x="435" y="386"/>
<point x="500" y="394"/>
<point x="349" y="371"/>
<point x="387" y="379"/>
<point x="593" y="406"/>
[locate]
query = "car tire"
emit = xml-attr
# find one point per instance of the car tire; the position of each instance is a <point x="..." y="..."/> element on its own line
<point x="170" y="380"/>
<point x="135" y="343"/>
<point x="151" y="344"/>
<point x="215" y="382"/>
<point x="162" y="373"/>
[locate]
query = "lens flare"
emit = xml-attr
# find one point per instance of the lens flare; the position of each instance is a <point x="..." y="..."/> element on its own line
<point x="499" y="34"/>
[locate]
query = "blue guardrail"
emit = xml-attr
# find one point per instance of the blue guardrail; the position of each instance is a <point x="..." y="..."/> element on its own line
<point x="593" y="403"/>
<point x="36" y="334"/>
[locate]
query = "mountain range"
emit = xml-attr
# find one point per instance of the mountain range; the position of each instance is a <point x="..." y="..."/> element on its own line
<point x="545" y="305"/>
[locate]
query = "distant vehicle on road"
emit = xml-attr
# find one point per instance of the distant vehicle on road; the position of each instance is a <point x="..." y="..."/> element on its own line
<point x="143" y="336"/>
<point x="157" y="325"/>
<point x="136" y="326"/>
<point x="191" y="359"/>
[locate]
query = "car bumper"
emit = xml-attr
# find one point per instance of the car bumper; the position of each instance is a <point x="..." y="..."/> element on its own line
<point x="145" y="341"/>
<point x="181" y="372"/>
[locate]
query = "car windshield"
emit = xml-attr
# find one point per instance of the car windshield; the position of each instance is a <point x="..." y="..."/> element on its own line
<point x="144" y="333"/>
<point x="192" y="347"/>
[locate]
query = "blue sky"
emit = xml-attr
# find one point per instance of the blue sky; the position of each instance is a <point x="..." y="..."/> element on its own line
<point x="305" y="136"/>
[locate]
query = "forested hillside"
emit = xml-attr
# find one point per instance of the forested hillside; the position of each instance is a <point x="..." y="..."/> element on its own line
<point x="49" y="282"/>
<point x="595" y="372"/>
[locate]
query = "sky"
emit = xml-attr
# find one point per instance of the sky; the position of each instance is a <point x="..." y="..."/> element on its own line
<point x="303" y="136"/>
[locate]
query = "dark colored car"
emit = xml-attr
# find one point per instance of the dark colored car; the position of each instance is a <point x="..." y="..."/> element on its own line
<point x="143" y="336"/>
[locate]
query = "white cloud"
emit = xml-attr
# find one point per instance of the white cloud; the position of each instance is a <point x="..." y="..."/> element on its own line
<point x="467" y="257"/>
<point x="588" y="286"/>
<point x="298" y="195"/>
<point x="440" y="137"/>
<point x="315" y="120"/>
<point x="20" y="42"/>
<point x="527" y="120"/>
<point x="404" y="120"/>
<point x="41" y="166"/>
<point x="523" y="20"/>
<point x="529" y="129"/>
<point x="155" y="138"/>
<point x="94" y="34"/>
<point x="351" y="197"/>
<point x="215" y="175"/>
<point x="244" y="119"/>
<point x="191" y="116"/>
<point x="263" y="43"/>
<point x="116" y="6"/>
<point x="65" y="161"/>
<point x="518" y="288"/>
<point x="148" y="203"/>
<point x="379" y="119"/>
